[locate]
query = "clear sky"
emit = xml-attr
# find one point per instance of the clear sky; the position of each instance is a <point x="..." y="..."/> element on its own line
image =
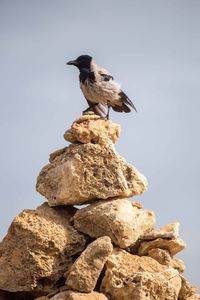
<point x="153" y="49"/>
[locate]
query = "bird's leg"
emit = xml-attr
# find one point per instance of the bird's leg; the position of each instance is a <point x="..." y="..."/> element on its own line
<point x="90" y="108"/>
<point x="108" y="113"/>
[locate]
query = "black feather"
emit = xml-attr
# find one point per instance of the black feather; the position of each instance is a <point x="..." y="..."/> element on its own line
<point x="86" y="74"/>
<point x="121" y="108"/>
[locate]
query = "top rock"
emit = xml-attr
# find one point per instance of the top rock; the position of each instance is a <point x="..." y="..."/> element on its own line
<point x="91" y="128"/>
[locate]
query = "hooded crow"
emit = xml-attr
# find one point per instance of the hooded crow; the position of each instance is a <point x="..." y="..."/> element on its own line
<point x="99" y="87"/>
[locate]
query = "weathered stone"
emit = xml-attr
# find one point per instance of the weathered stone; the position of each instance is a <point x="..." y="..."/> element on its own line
<point x="37" y="249"/>
<point x="169" y="231"/>
<point x="71" y="295"/>
<point x="187" y="290"/>
<point x="117" y="218"/>
<point x="194" y="297"/>
<point x="84" y="172"/>
<point x="137" y="204"/>
<point x="92" y="129"/>
<point x="177" y="264"/>
<point x="85" y="272"/>
<point x="172" y="245"/>
<point x="164" y="258"/>
<point x="132" y="277"/>
<point x="160" y="255"/>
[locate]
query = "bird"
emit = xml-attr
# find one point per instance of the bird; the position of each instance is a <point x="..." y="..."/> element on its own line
<point x="99" y="88"/>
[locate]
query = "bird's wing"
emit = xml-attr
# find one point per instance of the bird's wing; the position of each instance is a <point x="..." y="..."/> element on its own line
<point x="105" y="75"/>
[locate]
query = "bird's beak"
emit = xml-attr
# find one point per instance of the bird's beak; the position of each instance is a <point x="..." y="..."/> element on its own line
<point x="72" y="62"/>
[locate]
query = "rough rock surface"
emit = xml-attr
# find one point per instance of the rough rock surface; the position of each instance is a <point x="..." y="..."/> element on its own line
<point x="187" y="290"/>
<point x="118" y="219"/>
<point x="92" y="129"/>
<point x="169" y="231"/>
<point x="85" y="172"/>
<point x="164" y="258"/>
<point x="71" y="295"/>
<point x="85" y="272"/>
<point x="132" y="277"/>
<point x="37" y="249"/>
<point x="173" y="246"/>
<point x="46" y="254"/>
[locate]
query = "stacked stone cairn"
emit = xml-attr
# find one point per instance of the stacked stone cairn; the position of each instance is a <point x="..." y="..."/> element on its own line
<point x="107" y="249"/>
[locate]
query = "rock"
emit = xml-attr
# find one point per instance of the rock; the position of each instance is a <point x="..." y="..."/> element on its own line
<point x="85" y="272"/>
<point x="84" y="172"/>
<point x="169" y="231"/>
<point x="132" y="277"/>
<point x="187" y="290"/>
<point x="117" y="218"/>
<point x="172" y="245"/>
<point x="161" y="256"/>
<point x="137" y="204"/>
<point x="195" y="297"/>
<point x="71" y="295"/>
<point x="37" y="249"/>
<point x="164" y="258"/>
<point x="92" y="129"/>
<point x="177" y="264"/>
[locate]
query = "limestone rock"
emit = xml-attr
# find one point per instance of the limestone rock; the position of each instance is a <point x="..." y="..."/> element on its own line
<point x="177" y="264"/>
<point x="164" y="258"/>
<point x="169" y="231"/>
<point x="71" y="295"/>
<point x="92" y="129"/>
<point x="194" y="297"/>
<point x="85" y="272"/>
<point x="116" y="218"/>
<point x="187" y="290"/>
<point x="37" y="249"/>
<point x="172" y="245"/>
<point x="160" y="255"/>
<point x="84" y="172"/>
<point x="132" y="277"/>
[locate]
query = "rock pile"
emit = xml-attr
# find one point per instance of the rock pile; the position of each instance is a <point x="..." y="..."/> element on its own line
<point x="109" y="249"/>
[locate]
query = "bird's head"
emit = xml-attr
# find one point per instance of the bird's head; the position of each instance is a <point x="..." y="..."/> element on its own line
<point x="82" y="62"/>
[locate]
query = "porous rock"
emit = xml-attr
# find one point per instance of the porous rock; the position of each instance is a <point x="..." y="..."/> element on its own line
<point x="194" y="297"/>
<point x="169" y="231"/>
<point x="85" y="272"/>
<point x="160" y="255"/>
<point x="173" y="246"/>
<point x="130" y="277"/>
<point x="92" y="129"/>
<point x="37" y="249"/>
<point x="117" y="218"/>
<point x="164" y="258"/>
<point x="187" y="290"/>
<point x="71" y="295"/>
<point x="84" y="172"/>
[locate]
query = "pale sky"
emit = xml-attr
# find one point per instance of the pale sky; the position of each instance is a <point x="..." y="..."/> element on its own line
<point x="153" y="49"/>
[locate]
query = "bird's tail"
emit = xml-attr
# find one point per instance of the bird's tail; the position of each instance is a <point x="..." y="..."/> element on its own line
<point x="121" y="108"/>
<point x="126" y="103"/>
